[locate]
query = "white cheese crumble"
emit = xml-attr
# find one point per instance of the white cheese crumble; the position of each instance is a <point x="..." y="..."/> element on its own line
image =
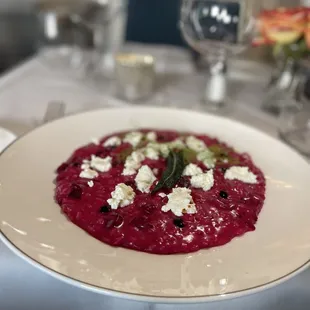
<point x="240" y="173"/>
<point x="162" y="195"/>
<point x="191" y="170"/>
<point x="207" y="157"/>
<point x="204" y="180"/>
<point x="195" y="144"/>
<point x="188" y="238"/>
<point x="151" y="153"/>
<point x="180" y="201"/>
<point x="176" y="144"/>
<point x="144" y="179"/>
<point x="101" y="164"/>
<point x="133" y="138"/>
<point x="151" y="136"/>
<point x="164" y="149"/>
<point x="90" y="183"/>
<point x="122" y="196"/>
<point x="85" y="165"/>
<point x="112" y="141"/>
<point x="133" y="162"/>
<point x="88" y="174"/>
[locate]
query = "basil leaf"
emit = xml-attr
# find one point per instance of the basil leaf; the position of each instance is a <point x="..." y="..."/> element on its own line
<point x="223" y="154"/>
<point x="173" y="172"/>
<point x="189" y="155"/>
<point x="122" y="155"/>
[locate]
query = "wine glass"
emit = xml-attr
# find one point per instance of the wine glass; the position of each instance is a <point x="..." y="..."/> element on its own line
<point x="218" y="29"/>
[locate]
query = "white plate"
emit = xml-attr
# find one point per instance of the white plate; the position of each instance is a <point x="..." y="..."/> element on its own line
<point x="6" y="138"/>
<point x="33" y="226"/>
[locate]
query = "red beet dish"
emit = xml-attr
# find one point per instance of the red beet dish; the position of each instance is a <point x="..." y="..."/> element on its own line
<point x="161" y="192"/>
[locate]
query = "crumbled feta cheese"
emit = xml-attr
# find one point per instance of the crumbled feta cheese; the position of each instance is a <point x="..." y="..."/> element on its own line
<point x="112" y="141"/>
<point x="90" y="183"/>
<point x="88" y="174"/>
<point x="195" y="144"/>
<point x="176" y="144"/>
<point x="101" y="164"/>
<point x="180" y="201"/>
<point x="133" y="162"/>
<point x="164" y="149"/>
<point x="188" y="238"/>
<point x="151" y="153"/>
<point x="151" y="136"/>
<point x="96" y="141"/>
<point x="209" y="163"/>
<point x="191" y="170"/>
<point x="162" y="195"/>
<point x="207" y="157"/>
<point x="240" y="173"/>
<point x="85" y="166"/>
<point x="144" y="179"/>
<point x="122" y="196"/>
<point x="133" y="138"/>
<point x="204" y="180"/>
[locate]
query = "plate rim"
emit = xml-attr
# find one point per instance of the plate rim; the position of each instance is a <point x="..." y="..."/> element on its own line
<point x="144" y="297"/>
<point x="149" y="298"/>
<point x="12" y="136"/>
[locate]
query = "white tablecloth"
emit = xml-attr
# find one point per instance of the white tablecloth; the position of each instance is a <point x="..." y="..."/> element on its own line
<point x="24" y="94"/>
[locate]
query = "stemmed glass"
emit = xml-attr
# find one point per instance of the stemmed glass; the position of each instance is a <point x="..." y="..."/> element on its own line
<point x="218" y="29"/>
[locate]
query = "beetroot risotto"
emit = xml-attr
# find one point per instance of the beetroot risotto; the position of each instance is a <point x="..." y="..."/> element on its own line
<point x="161" y="192"/>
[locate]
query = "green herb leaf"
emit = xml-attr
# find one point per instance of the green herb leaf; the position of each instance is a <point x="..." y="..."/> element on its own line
<point x="223" y="154"/>
<point x="173" y="172"/>
<point x="121" y="157"/>
<point x="189" y="155"/>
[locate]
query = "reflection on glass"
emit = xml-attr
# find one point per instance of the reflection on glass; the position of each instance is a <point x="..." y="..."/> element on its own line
<point x="218" y="29"/>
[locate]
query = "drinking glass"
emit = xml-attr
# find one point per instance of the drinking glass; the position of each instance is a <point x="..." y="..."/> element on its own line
<point x="75" y="36"/>
<point x="294" y="119"/>
<point x="218" y="29"/>
<point x="61" y="41"/>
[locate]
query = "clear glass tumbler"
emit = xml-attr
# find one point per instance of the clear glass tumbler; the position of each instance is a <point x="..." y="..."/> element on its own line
<point x="294" y="121"/>
<point x="61" y="42"/>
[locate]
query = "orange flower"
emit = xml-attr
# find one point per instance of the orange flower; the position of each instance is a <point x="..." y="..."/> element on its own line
<point x="282" y="25"/>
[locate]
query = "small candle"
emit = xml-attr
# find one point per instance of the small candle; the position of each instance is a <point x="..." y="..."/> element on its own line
<point x="135" y="76"/>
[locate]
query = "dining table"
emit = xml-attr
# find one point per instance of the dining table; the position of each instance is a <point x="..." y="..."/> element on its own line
<point x="25" y="93"/>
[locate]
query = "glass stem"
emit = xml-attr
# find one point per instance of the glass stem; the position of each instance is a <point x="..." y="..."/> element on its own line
<point x="216" y="89"/>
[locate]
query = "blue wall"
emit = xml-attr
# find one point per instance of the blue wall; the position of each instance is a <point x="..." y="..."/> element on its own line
<point x="154" y="21"/>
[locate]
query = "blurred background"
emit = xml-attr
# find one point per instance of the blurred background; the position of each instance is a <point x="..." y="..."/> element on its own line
<point x="19" y="27"/>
